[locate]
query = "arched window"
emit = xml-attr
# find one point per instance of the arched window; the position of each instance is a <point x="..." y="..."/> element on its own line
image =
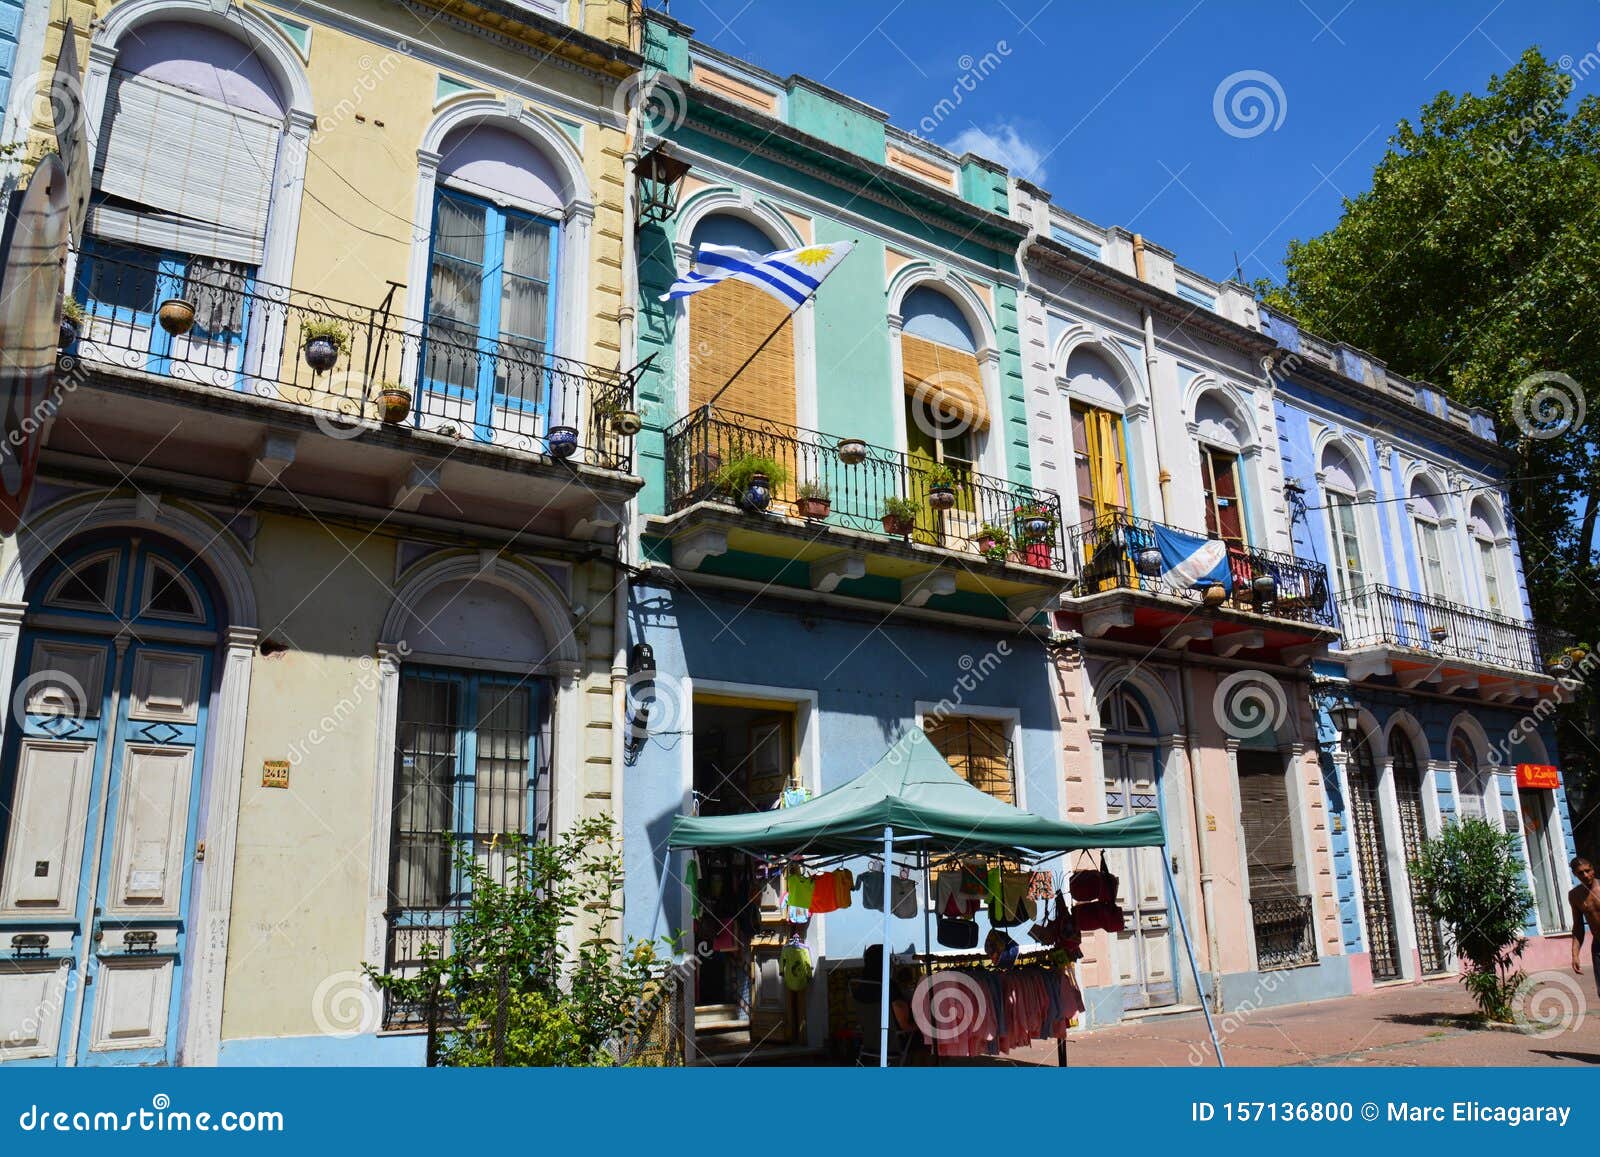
<point x="1472" y="778"/>
<point x="491" y="306"/>
<point x="728" y="323"/>
<point x="946" y="411"/>
<point x="185" y="164"/>
<point x="1221" y="436"/>
<point x="1339" y="496"/>
<point x="1485" y="528"/>
<point x="1427" y="518"/>
<point x="1099" y="443"/>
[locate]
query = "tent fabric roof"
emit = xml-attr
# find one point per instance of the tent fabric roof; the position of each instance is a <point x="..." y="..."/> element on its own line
<point x="913" y="790"/>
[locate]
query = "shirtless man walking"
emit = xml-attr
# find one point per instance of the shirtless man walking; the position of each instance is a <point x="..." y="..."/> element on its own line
<point x="1585" y="910"/>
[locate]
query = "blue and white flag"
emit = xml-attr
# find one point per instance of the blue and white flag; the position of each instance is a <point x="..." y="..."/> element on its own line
<point x="790" y="275"/>
<point x="1187" y="560"/>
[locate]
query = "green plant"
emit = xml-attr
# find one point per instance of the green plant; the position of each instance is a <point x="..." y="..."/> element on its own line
<point x="940" y="477"/>
<point x="1470" y="879"/>
<point x="521" y="995"/>
<point x="72" y="310"/>
<point x="902" y="509"/>
<point x="734" y="475"/>
<point x="814" y="490"/>
<point x="999" y="547"/>
<point x="327" y="329"/>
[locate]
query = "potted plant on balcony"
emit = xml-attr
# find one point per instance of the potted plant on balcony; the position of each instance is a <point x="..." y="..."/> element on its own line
<point x="994" y="542"/>
<point x="617" y="416"/>
<point x="852" y="451"/>
<point x="900" y="516"/>
<point x="1214" y="595"/>
<point x="394" y="403"/>
<point x="941" y="486"/>
<point x="322" y="341"/>
<point x="812" y="501"/>
<point x="1148" y="561"/>
<point x="750" y="479"/>
<point x="71" y="322"/>
<point x="1438" y="632"/>
<point x="1037" y="522"/>
<point x="176" y="315"/>
<point x="562" y="440"/>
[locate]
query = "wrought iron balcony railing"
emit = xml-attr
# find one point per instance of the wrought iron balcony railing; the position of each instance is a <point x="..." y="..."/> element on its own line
<point x="1119" y="551"/>
<point x="250" y="336"/>
<point x="1382" y="615"/>
<point x="702" y="446"/>
<point x="1285" y="935"/>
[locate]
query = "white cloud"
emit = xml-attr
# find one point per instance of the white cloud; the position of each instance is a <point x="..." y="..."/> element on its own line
<point x="1002" y="143"/>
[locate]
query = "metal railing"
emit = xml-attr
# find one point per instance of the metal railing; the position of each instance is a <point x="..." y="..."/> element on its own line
<point x="1285" y="935"/>
<point x="250" y="336"/>
<point x="1382" y="615"/>
<point x="1118" y="551"/>
<point x="703" y="443"/>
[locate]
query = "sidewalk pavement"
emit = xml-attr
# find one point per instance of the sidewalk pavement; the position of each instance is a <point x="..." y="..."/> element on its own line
<point x="1411" y="1024"/>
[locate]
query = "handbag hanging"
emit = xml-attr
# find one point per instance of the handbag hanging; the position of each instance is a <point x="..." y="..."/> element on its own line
<point x="1099" y="916"/>
<point x="954" y="932"/>
<point x="1092" y="884"/>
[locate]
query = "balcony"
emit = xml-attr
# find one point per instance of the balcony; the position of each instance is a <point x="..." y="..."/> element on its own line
<point x="1444" y="646"/>
<point x="1277" y="604"/>
<point x="470" y="411"/>
<point x="991" y="548"/>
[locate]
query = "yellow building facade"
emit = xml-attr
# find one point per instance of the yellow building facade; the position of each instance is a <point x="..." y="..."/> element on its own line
<point x="324" y="553"/>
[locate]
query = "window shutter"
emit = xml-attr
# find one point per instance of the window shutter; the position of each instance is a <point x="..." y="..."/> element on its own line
<point x="177" y="171"/>
<point x="726" y="324"/>
<point x="1264" y="817"/>
<point x="947" y="378"/>
<point x="978" y="751"/>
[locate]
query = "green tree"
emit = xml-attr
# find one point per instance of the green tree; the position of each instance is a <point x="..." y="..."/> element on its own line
<point x="1474" y="262"/>
<point x="511" y="989"/>
<point x="1470" y="878"/>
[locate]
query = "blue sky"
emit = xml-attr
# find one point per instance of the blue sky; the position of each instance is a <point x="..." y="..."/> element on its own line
<point x="1113" y="103"/>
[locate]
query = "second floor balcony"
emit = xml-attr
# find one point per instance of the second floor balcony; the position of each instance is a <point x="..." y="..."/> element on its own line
<point x="339" y="399"/>
<point x="1245" y="599"/>
<point x="1421" y="641"/>
<point x="842" y="515"/>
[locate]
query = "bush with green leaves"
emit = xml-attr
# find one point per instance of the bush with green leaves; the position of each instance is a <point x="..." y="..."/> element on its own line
<point x="1470" y="878"/>
<point x="326" y="329"/>
<point x="532" y="976"/>
<point x="733" y="477"/>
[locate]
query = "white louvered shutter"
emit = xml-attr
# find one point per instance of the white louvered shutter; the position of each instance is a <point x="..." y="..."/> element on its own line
<point x="187" y="173"/>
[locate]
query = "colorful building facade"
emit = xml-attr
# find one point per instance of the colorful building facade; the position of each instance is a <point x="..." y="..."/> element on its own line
<point x="320" y="568"/>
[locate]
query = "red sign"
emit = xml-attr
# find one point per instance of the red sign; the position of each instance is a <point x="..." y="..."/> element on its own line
<point x="1538" y="775"/>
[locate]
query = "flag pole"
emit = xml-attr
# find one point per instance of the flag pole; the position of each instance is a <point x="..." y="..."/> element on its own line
<point x="712" y="401"/>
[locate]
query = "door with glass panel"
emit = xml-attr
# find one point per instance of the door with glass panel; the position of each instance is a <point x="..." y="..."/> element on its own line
<point x="1349" y="575"/>
<point x="1100" y="465"/>
<point x="490" y="317"/>
<point x="1541" y="829"/>
<point x="101" y="783"/>
<point x="1408" y="788"/>
<point x="468" y="758"/>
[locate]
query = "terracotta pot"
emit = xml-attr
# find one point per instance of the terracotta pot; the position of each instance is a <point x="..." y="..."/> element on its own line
<point x="986" y="543"/>
<point x="813" y="508"/>
<point x="1215" y="595"/>
<point x="176" y="316"/>
<point x="394" y="405"/>
<point x="898" y="525"/>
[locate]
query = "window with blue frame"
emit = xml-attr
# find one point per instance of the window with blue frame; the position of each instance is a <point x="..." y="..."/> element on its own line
<point x="491" y="306"/>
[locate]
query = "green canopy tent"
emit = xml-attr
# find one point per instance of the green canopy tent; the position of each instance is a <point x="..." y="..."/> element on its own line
<point x="913" y="795"/>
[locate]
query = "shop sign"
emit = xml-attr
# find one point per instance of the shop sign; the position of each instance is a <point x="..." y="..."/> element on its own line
<point x="1538" y="776"/>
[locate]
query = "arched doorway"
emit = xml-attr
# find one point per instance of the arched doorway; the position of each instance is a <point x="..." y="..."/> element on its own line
<point x="1372" y="858"/>
<point x="1408" y="785"/>
<point x="1143" y="955"/>
<point x="102" y="777"/>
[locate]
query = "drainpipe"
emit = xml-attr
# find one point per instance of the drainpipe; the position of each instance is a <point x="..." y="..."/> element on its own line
<point x="1163" y="476"/>
<point x="1202" y="848"/>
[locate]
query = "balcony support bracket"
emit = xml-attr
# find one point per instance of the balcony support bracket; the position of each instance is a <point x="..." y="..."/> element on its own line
<point x="274" y="456"/>
<point x="1192" y="631"/>
<point x="827" y="573"/>
<point x="1359" y="667"/>
<point x="692" y="549"/>
<point x="917" y="589"/>
<point x="1410" y="679"/>
<point x="1230" y="645"/>
<point x="1458" y="682"/>
<point x="1310" y="652"/>
<point x="421" y="480"/>
<point x="1023" y="608"/>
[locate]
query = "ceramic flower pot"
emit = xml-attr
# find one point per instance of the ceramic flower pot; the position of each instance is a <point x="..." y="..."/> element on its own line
<point x="394" y="404"/>
<point x="757" y="495"/>
<point x="67" y="334"/>
<point x="815" y="509"/>
<point x="563" y="441"/>
<point x="898" y="524"/>
<point x="941" y="497"/>
<point x="321" y="353"/>
<point x="1148" y="561"/>
<point x="852" y="451"/>
<point x="176" y="316"/>
<point x="626" y="423"/>
<point x="1215" y="595"/>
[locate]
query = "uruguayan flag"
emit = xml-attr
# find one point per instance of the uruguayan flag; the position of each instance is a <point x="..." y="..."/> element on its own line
<point x="790" y="275"/>
<point x="1187" y="560"/>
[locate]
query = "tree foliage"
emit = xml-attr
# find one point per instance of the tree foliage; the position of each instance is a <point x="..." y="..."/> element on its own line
<point x="511" y="988"/>
<point x="1470" y="878"/>
<point x="1473" y="262"/>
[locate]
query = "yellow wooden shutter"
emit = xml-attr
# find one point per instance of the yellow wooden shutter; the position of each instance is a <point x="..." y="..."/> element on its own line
<point x="945" y="378"/>
<point x="726" y="324"/>
<point x="977" y="750"/>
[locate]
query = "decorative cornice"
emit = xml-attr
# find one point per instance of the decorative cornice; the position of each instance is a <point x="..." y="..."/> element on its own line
<point x="564" y="46"/>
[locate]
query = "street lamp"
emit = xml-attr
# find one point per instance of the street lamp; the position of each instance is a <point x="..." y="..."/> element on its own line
<point x="1346" y="717"/>
<point x="660" y="177"/>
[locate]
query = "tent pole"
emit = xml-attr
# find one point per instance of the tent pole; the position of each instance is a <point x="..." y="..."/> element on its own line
<point x="927" y="937"/>
<point x="1194" y="968"/>
<point x="883" y="996"/>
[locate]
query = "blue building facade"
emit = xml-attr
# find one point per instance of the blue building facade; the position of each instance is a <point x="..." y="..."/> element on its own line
<point x="1401" y="493"/>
